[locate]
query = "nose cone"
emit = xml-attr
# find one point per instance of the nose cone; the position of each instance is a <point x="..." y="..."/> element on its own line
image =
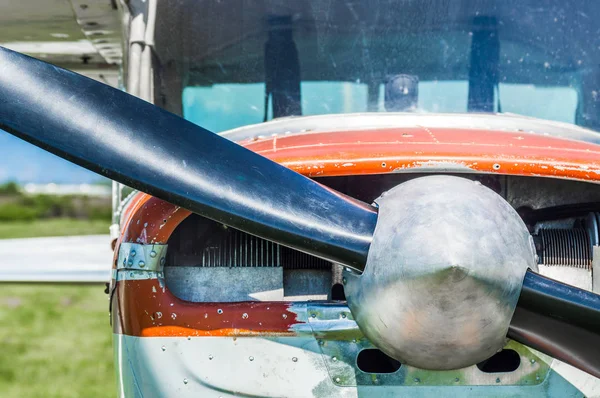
<point x="443" y="274"/>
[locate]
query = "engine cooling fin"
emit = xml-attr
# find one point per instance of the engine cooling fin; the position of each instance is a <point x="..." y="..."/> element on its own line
<point x="565" y="247"/>
<point x="205" y="243"/>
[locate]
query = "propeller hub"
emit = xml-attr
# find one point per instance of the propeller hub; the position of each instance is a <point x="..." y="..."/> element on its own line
<point x="443" y="274"/>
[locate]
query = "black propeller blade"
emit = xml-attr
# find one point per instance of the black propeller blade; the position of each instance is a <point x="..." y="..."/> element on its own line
<point x="559" y="320"/>
<point x="131" y="141"/>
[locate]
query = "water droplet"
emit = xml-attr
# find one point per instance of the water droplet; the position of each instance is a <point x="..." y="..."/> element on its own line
<point x="244" y="316"/>
<point x="164" y="348"/>
<point x="294" y="359"/>
<point x="251" y="358"/>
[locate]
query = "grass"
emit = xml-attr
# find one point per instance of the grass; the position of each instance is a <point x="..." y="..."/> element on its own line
<point x="52" y="227"/>
<point x="55" y="341"/>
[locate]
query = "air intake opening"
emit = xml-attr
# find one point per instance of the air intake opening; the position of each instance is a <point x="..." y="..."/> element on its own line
<point x="374" y="361"/>
<point x="501" y="362"/>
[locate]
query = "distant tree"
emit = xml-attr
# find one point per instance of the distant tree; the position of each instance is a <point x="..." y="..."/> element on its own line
<point x="9" y="188"/>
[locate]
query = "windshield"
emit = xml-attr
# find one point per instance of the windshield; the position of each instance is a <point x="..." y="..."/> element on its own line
<point x="249" y="62"/>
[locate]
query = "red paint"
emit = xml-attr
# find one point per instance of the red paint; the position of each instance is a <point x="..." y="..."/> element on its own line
<point x="151" y="220"/>
<point x="146" y="309"/>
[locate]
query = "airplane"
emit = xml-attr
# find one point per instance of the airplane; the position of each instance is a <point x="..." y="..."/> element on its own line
<point x="380" y="222"/>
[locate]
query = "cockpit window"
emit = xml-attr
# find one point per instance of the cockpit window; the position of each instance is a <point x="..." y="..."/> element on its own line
<point x="265" y="60"/>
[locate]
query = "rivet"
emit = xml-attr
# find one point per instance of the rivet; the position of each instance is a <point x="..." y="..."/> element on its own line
<point x="142" y="264"/>
<point x="533" y="361"/>
<point x="313" y="315"/>
<point x="498" y="380"/>
<point x="219" y="311"/>
<point x="284" y="316"/>
<point x="294" y="359"/>
<point x="164" y="348"/>
<point x="210" y="357"/>
<point x="383" y="164"/>
<point x="417" y="380"/>
<point x="321" y="342"/>
<point x="185" y="381"/>
<point x="251" y="359"/>
<point x="133" y="253"/>
<point x="189" y="337"/>
<point x="173" y="315"/>
<point x="152" y="254"/>
<point x="337" y="380"/>
<point x="376" y="381"/>
<point x="344" y="281"/>
<point x="343" y="315"/>
<point x="456" y="380"/>
<point x="132" y="274"/>
<point x="130" y="262"/>
<point x="244" y="316"/>
<point x="334" y="359"/>
<point x="496" y="166"/>
<point x="162" y="261"/>
<point x="537" y="377"/>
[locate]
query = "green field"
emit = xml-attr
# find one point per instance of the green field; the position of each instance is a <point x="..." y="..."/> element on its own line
<point x="52" y="227"/>
<point x="55" y="341"/>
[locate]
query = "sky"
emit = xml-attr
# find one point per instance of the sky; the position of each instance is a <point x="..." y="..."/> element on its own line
<point x="23" y="162"/>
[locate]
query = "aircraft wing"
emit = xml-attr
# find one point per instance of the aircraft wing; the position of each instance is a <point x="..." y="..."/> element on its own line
<point x="83" y="36"/>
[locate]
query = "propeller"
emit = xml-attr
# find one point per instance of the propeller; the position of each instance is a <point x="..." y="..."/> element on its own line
<point x="131" y="141"/>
